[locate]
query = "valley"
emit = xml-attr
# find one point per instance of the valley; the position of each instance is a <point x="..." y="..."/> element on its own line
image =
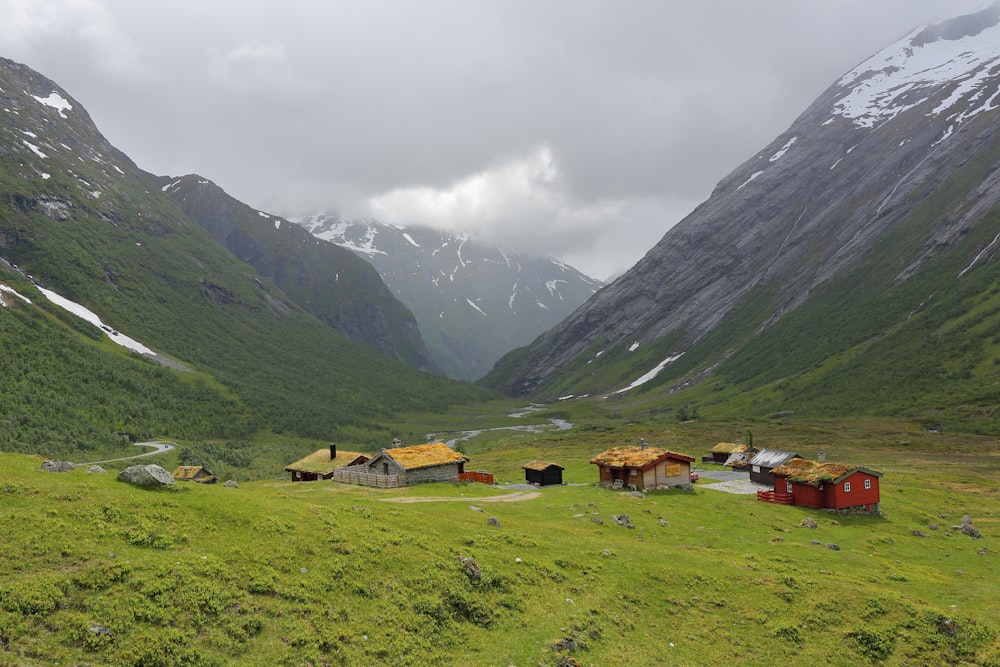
<point x="275" y="572"/>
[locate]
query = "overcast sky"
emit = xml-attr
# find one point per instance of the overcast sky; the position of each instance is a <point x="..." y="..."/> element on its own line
<point x="579" y="129"/>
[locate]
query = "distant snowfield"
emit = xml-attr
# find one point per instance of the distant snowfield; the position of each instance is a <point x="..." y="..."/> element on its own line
<point x="88" y="315"/>
<point x="10" y="290"/>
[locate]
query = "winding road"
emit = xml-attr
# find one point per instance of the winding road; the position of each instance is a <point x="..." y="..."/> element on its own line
<point x="158" y="448"/>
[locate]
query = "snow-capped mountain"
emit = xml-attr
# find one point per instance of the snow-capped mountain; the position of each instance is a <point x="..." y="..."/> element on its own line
<point x="473" y="302"/>
<point x="873" y="206"/>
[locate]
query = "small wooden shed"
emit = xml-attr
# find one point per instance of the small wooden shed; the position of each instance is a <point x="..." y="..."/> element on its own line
<point x="543" y="473"/>
<point x="766" y="460"/>
<point x="321" y="464"/>
<point x="722" y="451"/>
<point x="193" y="474"/>
<point x="433" y="462"/>
<point x="828" y="485"/>
<point x="643" y="468"/>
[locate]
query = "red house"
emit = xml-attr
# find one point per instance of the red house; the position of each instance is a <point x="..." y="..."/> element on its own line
<point x="824" y="486"/>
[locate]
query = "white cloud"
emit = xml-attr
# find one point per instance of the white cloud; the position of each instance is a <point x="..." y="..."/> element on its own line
<point x="525" y="205"/>
<point x="257" y="66"/>
<point x="32" y="29"/>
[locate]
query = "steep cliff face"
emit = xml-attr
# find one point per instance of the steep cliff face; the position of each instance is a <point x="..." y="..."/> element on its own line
<point x="322" y="278"/>
<point x="473" y="302"/>
<point x="875" y="147"/>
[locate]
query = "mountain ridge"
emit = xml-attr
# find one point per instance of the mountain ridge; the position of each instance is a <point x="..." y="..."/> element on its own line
<point x="793" y="217"/>
<point x="473" y="301"/>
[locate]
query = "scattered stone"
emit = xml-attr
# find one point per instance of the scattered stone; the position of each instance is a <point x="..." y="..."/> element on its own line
<point x="471" y="568"/>
<point x="476" y="509"/>
<point x="834" y="547"/>
<point x="566" y="644"/>
<point x="834" y="523"/>
<point x="96" y="468"/>
<point x="968" y="528"/>
<point x="815" y="542"/>
<point x="599" y="522"/>
<point x="982" y="552"/>
<point x="57" y="466"/>
<point x="570" y="601"/>
<point x="493" y="521"/>
<point x="621" y="519"/>
<point x="150" y="475"/>
<point x="933" y="526"/>
<point x="231" y="484"/>
<point x="518" y="560"/>
<point x="99" y="630"/>
<point x="664" y="523"/>
<point x="608" y="553"/>
<point x="567" y="661"/>
<point x="918" y="533"/>
<point x="637" y="494"/>
<point x="808" y="522"/>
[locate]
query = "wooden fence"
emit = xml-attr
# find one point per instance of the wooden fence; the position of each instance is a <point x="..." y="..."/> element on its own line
<point x="479" y="476"/>
<point x="359" y="476"/>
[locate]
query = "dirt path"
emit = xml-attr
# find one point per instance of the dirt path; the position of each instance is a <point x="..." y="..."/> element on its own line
<point x="509" y="498"/>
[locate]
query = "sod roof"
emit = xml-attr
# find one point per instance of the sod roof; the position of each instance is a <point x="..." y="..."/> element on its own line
<point x="321" y="463"/>
<point x="636" y="457"/>
<point x="422" y="456"/>
<point x="540" y="465"/>
<point x="814" y="473"/>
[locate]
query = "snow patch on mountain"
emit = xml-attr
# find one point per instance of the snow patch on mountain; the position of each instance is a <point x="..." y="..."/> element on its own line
<point x="88" y="315"/>
<point x="56" y="101"/>
<point x="963" y="52"/>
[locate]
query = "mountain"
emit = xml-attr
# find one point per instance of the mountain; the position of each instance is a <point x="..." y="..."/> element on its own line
<point x="473" y="302"/>
<point x="81" y="222"/>
<point x="848" y="266"/>
<point x="322" y="278"/>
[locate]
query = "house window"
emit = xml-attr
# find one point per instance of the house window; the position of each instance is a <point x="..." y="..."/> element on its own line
<point x="847" y="487"/>
<point x="756" y="468"/>
<point x="868" y="484"/>
<point x="788" y="487"/>
<point x="633" y="472"/>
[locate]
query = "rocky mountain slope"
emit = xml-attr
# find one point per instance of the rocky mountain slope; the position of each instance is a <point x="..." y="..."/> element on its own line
<point x="322" y="278"/>
<point x="81" y="222"/>
<point x="473" y="302"/>
<point x="886" y="188"/>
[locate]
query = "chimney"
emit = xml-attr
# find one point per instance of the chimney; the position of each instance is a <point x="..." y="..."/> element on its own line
<point x="821" y="457"/>
<point x="642" y="443"/>
<point x="333" y="451"/>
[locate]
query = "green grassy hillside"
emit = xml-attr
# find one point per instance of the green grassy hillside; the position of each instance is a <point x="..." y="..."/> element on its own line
<point x="276" y="573"/>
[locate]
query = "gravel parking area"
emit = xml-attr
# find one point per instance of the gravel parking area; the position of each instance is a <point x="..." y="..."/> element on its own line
<point x="743" y="486"/>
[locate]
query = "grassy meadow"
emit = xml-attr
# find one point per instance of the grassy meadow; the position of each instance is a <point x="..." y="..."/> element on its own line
<point x="98" y="572"/>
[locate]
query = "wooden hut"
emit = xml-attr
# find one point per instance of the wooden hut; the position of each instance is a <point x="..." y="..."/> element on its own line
<point x="826" y="486"/>
<point x="722" y="451"/>
<point x="434" y="462"/>
<point x="193" y="474"/>
<point x="543" y="473"/>
<point x="766" y="460"/>
<point x="643" y="468"/>
<point x="321" y="464"/>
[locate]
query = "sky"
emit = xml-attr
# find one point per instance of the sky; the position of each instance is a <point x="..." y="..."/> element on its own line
<point x="577" y="129"/>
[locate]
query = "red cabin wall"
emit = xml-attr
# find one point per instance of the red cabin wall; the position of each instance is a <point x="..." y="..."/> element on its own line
<point x="837" y="498"/>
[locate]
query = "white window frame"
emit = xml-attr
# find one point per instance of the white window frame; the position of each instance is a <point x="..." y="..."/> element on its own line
<point x="847" y="487"/>
<point x="868" y="485"/>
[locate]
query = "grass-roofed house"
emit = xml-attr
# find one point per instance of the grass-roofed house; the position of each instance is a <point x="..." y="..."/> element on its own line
<point x="825" y="486"/>
<point x="193" y="474"/>
<point x="724" y="450"/>
<point x="321" y="464"/>
<point x="643" y="468"/>
<point x="433" y="462"/>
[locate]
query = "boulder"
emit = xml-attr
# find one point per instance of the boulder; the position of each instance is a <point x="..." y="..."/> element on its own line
<point x="95" y="468"/>
<point x="150" y="475"/>
<point x="57" y="466"/>
<point x="230" y="484"/>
